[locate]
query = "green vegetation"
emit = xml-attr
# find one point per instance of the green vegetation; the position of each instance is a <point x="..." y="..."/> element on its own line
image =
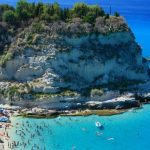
<point x="97" y="92"/>
<point x="4" y="8"/>
<point x="116" y="14"/>
<point x="25" y="11"/>
<point x="50" y="95"/>
<point x="5" y="57"/>
<point x="9" y="16"/>
<point x="15" y="91"/>
<point x="37" y="27"/>
<point x="12" y="90"/>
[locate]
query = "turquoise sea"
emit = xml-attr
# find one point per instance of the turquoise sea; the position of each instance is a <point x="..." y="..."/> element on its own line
<point x="128" y="131"/>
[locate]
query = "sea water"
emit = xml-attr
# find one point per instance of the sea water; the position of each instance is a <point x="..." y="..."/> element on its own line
<point x="127" y="131"/>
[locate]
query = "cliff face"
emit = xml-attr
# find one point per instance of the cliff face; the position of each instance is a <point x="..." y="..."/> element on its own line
<point x="5" y="36"/>
<point x="72" y="56"/>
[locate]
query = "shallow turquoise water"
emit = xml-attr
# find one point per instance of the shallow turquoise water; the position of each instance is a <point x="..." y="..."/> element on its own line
<point x="128" y="131"/>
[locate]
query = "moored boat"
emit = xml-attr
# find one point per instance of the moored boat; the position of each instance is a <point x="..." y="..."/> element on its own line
<point x="99" y="125"/>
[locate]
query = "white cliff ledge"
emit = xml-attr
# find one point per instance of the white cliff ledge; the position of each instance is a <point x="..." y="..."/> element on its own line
<point x="72" y="57"/>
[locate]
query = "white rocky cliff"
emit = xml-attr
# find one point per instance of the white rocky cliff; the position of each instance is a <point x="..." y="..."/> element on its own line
<point x="52" y="59"/>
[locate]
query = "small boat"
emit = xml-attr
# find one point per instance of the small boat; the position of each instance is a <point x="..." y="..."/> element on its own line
<point x="99" y="125"/>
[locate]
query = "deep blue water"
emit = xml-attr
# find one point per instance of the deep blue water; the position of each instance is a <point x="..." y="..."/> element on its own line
<point x="136" y="12"/>
<point x="128" y="131"/>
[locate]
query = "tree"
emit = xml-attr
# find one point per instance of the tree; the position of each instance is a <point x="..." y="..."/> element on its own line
<point x="3" y="8"/>
<point x="80" y="10"/>
<point x="107" y="16"/>
<point x="64" y="14"/>
<point x="45" y="16"/>
<point x="116" y="14"/>
<point x="31" y="8"/>
<point x="51" y="12"/>
<point x="45" y="13"/>
<point x="23" y="10"/>
<point x="9" y="16"/>
<point x="96" y="10"/>
<point x="93" y="12"/>
<point x="38" y="9"/>
<point x="90" y="17"/>
<point x="55" y="17"/>
<point x="56" y="8"/>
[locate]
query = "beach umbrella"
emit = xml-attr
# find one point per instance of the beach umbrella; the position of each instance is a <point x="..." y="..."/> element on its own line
<point x="5" y="112"/>
<point x="3" y="119"/>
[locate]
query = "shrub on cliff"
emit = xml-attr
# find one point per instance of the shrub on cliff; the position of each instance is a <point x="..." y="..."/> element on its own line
<point x="56" y="9"/>
<point x="96" y="10"/>
<point x="51" y="12"/>
<point x="65" y="14"/>
<point x="4" y="8"/>
<point x="90" y="18"/>
<point x="24" y="10"/>
<point x="116" y="14"/>
<point x="5" y="57"/>
<point x="79" y="10"/>
<point x="38" y="9"/>
<point x="10" y="17"/>
<point x="37" y="27"/>
<point x="88" y="13"/>
<point x="96" y="92"/>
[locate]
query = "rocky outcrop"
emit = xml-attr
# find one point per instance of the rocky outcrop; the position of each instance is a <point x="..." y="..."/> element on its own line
<point x="74" y="56"/>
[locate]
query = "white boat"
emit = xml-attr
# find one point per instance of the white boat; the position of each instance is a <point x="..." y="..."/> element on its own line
<point x="98" y="124"/>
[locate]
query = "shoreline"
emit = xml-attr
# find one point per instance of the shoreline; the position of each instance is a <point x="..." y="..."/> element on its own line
<point x="105" y="112"/>
<point x="67" y="113"/>
<point x="109" y="107"/>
